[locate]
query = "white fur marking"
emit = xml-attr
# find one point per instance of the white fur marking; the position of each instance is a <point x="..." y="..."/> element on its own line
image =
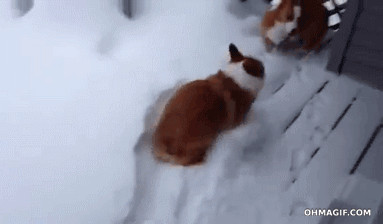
<point x="243" y="79"/>
<point x="275" y="4"/>
<point x="281" y="30"/>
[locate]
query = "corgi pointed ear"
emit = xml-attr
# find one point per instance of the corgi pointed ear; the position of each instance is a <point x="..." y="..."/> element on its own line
<point x="287" y="11"/>
<point x="235" y="55"/>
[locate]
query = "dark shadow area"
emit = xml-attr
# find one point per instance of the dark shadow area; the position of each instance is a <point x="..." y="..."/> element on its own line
<point x="23" y="6"/>
<point x="244" y="9"/>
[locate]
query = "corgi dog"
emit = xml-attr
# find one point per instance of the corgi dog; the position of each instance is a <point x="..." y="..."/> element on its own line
<point x="279" y="21"/>
<point x="200" y="110"/>
<point x="305" y="20"/>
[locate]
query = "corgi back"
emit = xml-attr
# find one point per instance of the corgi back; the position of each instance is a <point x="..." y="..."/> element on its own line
<point x="200" y="110"/>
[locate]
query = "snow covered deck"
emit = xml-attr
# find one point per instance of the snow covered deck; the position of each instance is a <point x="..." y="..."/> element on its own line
<point x="336" y="142"/>
<point x="331" y="134"/>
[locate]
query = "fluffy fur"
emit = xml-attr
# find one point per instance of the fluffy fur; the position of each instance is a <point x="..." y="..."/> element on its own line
<point x="239" y="75"/>
<point x="200" y="110"/>
<point x="305" y="19"/>
<point x="278" y="21"/>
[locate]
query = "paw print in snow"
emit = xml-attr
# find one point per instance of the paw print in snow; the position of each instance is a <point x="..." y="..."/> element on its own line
<point x="318" y="135"/>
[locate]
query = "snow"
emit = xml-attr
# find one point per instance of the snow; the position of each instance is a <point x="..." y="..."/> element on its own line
<point x="81" y="86"/>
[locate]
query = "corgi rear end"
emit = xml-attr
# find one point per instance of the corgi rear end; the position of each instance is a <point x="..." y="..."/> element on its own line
<point x="200" y="110"/>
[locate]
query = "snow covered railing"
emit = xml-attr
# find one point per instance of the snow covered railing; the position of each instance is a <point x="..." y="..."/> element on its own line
<point x="127" y="8"/>
<point x="23" y="6"/>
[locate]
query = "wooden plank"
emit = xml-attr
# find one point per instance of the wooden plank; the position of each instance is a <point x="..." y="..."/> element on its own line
<point x="371" y="160"/>
<point x="279" y="88"/>
<point x="361" y="56"/>
<point x="338" y="120"/>
<point x="364" y="73"/>
<point x="290" y="100"/>
<point x="368" y="40"/>
<point x="358" y="192"/>
<point x="376" y="5"/>
<point x="343" y="114"/>
<point x="319" y="182"/>
<point x="303" y="106"/>
<point x="367" y="25"/>
<point x="362" y="192"/>
<point x="379" y="217"/>
<point x="342" y="38"/>
<point x="365" y="56"/>
<point x="318" y="119"/>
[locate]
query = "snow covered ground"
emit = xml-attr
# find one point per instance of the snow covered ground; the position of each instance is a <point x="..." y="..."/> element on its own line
<point x="78" y="89"/>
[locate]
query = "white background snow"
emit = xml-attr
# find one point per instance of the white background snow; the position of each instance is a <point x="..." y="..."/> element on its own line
<point x="78" y="81"/>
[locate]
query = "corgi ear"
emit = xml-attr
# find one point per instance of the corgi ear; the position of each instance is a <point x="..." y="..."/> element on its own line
<point x="287" y="11"/>
<point x="235" y="55"/>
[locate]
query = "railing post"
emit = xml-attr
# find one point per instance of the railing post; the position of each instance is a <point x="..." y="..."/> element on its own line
<point x="127" y="8"/>
<point x="23" y="6"/>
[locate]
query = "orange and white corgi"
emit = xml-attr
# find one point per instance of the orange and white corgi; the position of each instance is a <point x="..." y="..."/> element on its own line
<point x="200" y="110"/>
<point x="279" y="21"/>
<point x="304" y="19"/>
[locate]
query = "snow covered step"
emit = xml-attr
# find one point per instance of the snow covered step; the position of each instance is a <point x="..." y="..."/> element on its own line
<point x="359" y="193"/>
<point x="368" y="170"/>
<point x="319" y="183"/>
<point x="362" y="192"/>
<point x="298" y="113"/>
<point x="279" y="88"/>
<point x="379" y="217"/>
<point x="289" y="99"/>
<point x="316" y="121"/>
<point x="371" y="159"/>
<point x="339" y="119"/>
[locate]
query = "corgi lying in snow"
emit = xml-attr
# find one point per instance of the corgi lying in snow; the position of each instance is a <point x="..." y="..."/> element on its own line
<point x="304" y="19"/>
<point x="201" y="109"/>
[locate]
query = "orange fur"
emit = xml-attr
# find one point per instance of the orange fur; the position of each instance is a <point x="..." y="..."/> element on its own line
<point x="283" y="13"/>
<point x="198" y="112"/>
<point x="311" y="25"/>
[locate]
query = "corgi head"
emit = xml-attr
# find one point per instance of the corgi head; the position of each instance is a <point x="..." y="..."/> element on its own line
<point x="279" y="21"/>
<point x="247" y="72"/>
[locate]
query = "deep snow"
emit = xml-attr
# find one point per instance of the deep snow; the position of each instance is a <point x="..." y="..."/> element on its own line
<point x="78" y="90"/>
